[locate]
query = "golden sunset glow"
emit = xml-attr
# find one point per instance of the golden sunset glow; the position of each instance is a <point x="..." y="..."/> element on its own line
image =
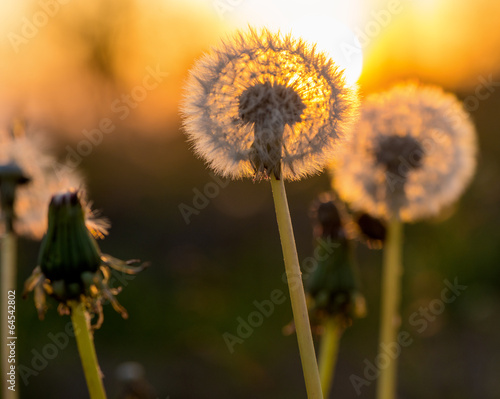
<point x="329" y="28"/>
<point x="183" y="120"/>
<point x="442" y="41"/>
<point x="102" y="70"/>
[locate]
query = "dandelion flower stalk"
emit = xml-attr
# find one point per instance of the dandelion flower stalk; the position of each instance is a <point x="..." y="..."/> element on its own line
<point x="267" y="106"/>
<point x="11" y="176"/>
<point x="332" y="331"/>
<point x="297" y="295"/>
<point x="411" y="155"/>
<point x="86" y="349"/>
<point x="23" y="206"/>
<point x="8" y="283"/>
<point x="391" y="299"/>
<point x="333" y="285"/>
<point x="73" y="270"/>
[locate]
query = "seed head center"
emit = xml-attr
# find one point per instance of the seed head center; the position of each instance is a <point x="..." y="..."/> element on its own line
<point x="399" y="154"/>
<point x="266" y="103"/>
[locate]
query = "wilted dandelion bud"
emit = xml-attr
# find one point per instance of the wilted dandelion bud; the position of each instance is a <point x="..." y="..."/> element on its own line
<point x="71" y="265"/>
<point x="30" y="206"/>
<point x="411" y="153"/>
<point x="371" y="231"/>
<point x="68" y="250"/>
<point x="333" y="284"/>
<point x="263" y="104"/>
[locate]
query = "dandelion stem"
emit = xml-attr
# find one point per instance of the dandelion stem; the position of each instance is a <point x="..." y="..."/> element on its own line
<point x="328" y="352"/>
<point x="8" y="281"/>
<point x="390" y="318"/>
<point x="85" y="343"/>
<point x="297" y="295"/>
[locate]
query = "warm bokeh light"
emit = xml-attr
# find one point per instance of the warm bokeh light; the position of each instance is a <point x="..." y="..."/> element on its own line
<point x="104" y="78"/>
<point x="322" y="22"/>
<point x="67" y="70"/>
<point x="442" y="41"/>
<point x="334" y="38"/>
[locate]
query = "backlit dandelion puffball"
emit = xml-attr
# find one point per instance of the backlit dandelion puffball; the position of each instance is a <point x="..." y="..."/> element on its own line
<point x="411" y="153"/>
<point x="262" y="103"/>
<point x="32" y="199"/>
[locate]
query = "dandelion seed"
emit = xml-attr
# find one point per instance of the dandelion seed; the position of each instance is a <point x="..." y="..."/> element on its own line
<point x="27" y="152"/>
<point x="263" y="104"/>
<point x="411" y="154"/>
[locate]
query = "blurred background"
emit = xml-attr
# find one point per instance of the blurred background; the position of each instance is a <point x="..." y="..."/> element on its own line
<point x="65" y="66"/>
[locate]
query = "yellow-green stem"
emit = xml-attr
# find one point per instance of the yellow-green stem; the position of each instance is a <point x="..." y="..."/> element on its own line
<point x="8" y="281"/>
<point x="297" y="295"/>
<point x="85" y="343"/>
<point x="328" y="353"/>
<point x="390" y="319"/>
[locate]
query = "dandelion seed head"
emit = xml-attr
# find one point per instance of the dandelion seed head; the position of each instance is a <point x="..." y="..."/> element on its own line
<point x="264" y="103"/>
<point x="30" y="153"/>
<point x="411" y="153"/>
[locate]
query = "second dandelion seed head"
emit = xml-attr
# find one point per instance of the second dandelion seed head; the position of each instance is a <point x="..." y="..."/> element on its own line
<point x="411" y="154"/>
<point x="28" y="151"/>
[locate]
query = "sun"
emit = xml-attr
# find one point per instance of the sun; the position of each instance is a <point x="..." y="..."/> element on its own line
<point x="334" y="38"/>
<point x="323" y="22"/>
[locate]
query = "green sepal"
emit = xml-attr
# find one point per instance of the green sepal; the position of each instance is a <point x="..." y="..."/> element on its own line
<point x="68" y="249"/>
<point x="333" y="284"/>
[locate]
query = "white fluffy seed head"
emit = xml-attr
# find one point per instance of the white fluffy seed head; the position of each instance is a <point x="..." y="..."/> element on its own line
<point x="32" y="199"/>
<point x="261" y="103"/>
<point x="411" y="153"/>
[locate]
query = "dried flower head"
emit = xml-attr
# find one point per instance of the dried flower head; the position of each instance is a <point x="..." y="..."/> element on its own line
<point x="411" y="153"/>
<point x="27" y="152"/>
<point x="71" y="265"/>
<point x="263" y="104"/>
<point x="370" y="231"/>
<point x="333" y="284"/>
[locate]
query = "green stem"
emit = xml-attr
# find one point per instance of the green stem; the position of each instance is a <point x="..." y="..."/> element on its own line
<point x="297" y="295"/>
<point x="390" y="317"/>
<point x="328" y="353"/>
<point x="8" y="282"/>
<point x="85" y="343"/>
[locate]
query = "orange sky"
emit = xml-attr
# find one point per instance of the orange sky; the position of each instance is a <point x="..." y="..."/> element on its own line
<point x="80" y="64"/>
